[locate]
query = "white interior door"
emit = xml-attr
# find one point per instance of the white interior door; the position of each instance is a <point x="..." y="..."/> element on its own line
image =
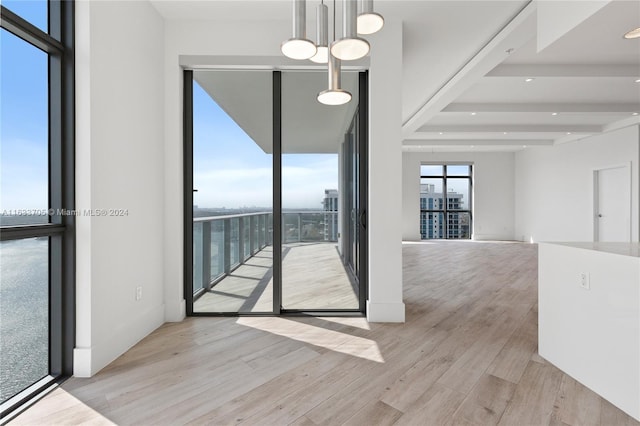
<point x="612" y="204"/>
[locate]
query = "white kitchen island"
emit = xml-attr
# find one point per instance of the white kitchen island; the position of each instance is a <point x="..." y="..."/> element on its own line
<point x="589" y="316"/>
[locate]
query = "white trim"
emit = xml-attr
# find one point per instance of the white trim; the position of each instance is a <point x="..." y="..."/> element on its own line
<point x="596" y="188"/>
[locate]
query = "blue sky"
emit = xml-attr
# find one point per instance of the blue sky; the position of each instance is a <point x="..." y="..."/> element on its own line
<point x="23" y="116"/>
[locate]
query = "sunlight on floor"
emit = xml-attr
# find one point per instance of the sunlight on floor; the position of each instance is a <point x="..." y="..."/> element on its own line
<point x="52" y="409"/>
<point x="317" y="336"/>
<point x="350" y="321"/>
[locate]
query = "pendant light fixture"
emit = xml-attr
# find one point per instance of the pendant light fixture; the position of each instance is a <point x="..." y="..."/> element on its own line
<point x="350" y="47"/>
<point x="298" y="47"/>
<point x="369" y="22"/>
<point x="322" y="42"/>
<point x="334" y="95"/>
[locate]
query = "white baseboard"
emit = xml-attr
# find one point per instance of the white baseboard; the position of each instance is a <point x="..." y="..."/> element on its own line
<point x="385" y="312"/>
<point x="89" y="360"/>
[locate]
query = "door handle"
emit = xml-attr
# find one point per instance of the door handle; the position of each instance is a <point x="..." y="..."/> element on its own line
<point x="195" y="190"/>
<point x="363" y="219"/>
<point x="599" y="215"/>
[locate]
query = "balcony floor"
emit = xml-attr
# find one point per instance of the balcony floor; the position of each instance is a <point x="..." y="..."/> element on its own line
<point x="313" y="277"/>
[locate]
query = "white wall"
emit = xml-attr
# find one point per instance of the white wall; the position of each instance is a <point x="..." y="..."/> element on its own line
<point x="554" y="185"/>
<point x="120" y="159"/>
<point x="493" y="192"/>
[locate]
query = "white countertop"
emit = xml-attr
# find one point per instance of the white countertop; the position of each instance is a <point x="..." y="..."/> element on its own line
<point x="624" y="249"/>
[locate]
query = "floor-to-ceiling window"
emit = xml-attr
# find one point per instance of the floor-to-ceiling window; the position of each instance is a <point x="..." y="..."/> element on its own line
<point x="266" y="191"/>
<point x="445" y="201"/>
<point x="36" y="197"/>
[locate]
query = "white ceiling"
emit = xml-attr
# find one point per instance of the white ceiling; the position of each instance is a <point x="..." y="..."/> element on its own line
<point x="307" y="125"/>
<point x="473" y="56"/>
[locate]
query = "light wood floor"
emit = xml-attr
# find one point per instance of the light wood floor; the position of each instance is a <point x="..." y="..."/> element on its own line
<point x="466" y="355"/>
<point x="313" y="277"/>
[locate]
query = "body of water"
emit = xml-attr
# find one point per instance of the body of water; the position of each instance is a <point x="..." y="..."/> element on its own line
<point x="24" y="314"/>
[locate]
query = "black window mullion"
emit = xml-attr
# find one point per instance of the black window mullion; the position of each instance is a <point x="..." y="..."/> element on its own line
<point x="445" y="211"/>
<point x="29" y="32"/>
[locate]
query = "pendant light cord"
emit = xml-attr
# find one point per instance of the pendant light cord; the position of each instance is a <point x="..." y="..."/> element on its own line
<point x="334" y="20"/>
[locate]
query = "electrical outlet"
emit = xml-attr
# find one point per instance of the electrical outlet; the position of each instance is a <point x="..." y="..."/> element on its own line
<point x="139" y="292"/>
<point x="584" y="280"/>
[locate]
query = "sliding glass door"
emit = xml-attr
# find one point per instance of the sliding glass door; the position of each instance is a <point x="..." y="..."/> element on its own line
<point x="232" y="192"/>
<point x="273" y="193"/>
<point x="315" y="276"/>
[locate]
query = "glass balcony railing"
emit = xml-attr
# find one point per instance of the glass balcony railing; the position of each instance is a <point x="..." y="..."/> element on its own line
<point x="223" y="243"/>
<point x="309" y="226"/>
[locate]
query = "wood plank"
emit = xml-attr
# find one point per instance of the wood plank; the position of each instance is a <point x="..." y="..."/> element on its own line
<point x="576" y="404"/>
<point x="517" y="352"/>
<point x="533" y="400"/>
<point x="376" y="412"/>
<point x="434" y="407"/>
<point x="486" y="402"/>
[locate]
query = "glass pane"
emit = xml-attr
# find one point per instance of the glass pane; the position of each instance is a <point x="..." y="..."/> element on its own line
<point x="430" y="170"/>
<point x="313" y="272"/>
<point x="24" y="134"/>
<point x="458" y="194"/>
<point x="458" y="170"/>
<point x="431" y="194"/>
<point x="24" y="314"/>
<point x="432" y="225"/>
<point x="197" y="257"/>
<point x="232" y="172"/>
<point x="458" y="225"/>
<point x="217" y="248"/>
<point x="34" y="11"/>
<point x="235" y="242"/>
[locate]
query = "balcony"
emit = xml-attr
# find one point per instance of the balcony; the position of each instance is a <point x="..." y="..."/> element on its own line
<point x="233" y="259"/>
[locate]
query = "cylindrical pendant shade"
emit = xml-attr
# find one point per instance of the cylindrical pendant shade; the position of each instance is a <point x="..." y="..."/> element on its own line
<point x="334" y="95"/>
<point x="298" y="47"/>
<point x="350" y="46"/>
<point x="369" y="22"/>
<point x="322" y="41"/>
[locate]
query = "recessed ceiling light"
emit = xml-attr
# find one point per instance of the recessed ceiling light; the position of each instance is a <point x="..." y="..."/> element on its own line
<point x="554" y="113"/>
<point x="524" y="146"/>
<point x="633" y="34"/>
<point x="638" y="80"/>
<point x="504" y="133"/>
<point x="441" y="133"/>
<point x="635" y="113"/>
<point x="568" y="133"/>
<point x="530" y="79"/>
<point x="473" y="146"/>
<point x="473" y="113"/>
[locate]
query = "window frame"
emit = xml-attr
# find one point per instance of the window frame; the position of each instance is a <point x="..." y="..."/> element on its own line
<point x="58" y="44"/>
<point x="445" y="210"/>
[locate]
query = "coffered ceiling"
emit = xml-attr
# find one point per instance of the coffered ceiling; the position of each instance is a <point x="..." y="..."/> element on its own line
<point x="493" y="75"/>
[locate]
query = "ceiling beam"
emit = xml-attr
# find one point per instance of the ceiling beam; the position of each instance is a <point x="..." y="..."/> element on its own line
<point x="568" y="70"/>
<point x="543" y="107"/>
<point x="478" y="142"/>
<point x="498" y="128"/>
<point x="514" y="35"/>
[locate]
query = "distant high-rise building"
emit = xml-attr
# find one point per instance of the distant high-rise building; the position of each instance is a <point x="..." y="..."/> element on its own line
<point x="433" y="224"/>
<point x="330" y="204"/>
